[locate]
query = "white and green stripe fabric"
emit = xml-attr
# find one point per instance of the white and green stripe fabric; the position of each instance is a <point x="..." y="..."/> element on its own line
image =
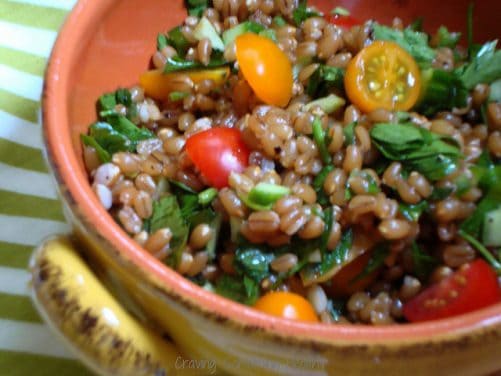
<point x="29" y="208"/>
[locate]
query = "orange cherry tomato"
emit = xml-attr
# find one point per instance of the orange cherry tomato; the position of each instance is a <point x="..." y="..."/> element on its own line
<point x="158" y="85"/>
<point x="287" y="305"/>
<point x="266" y="68"/>
<point x="383" y="75"/>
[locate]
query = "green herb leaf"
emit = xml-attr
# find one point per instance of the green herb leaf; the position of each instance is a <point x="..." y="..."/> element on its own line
<point x="129" y="130"/>
<point x="446" y="38"/>
<point x="107" y="102"/>
<point x="416" y="25"/>
<point x="414" y="42"/>
<point x="279" y="21"/>
<point x="463" y="185"/>
<point x="423" y="263"/>
<point x="485" y="67"/>
<point x="439" y="193"/>
<point x="379" y="254"/>
<point x="109" y="139"/>
<point x="243" y="290"/>
<point x="491" y="259"/>
<point x="302" y="13"/>
<point x="318" y="184"/>
<point x="417" y="148"/>
<point x="328" y="218"/>
<point x="176" y="63"/>
<point x="270" y="34"/>
<point x="372" y="187"/>
<point x="323" y="80"/>
<point x="166" y="213"/>
<point x="103" y="155"/>
<point x="176" y="39"/>
<point x="349" y="133"/>
<point x="197" y="7"/>
<point x="473" y="225"/>
<point x="330" y="259"/>
<point x="319" y="137"/>
<point x="413" y="212"/>
<point x="176" y="96"/>
<point x="441" y="90"/>
<point x="245" y="27"/>
<point x="252" y="262"/>
<point x="161" y="41"/>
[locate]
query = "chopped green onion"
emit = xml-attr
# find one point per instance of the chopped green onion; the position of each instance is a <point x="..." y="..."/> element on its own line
<point x="177" y="96"/>
<point x="267" y="194"/>
<point x="319" y="137"/>
<point x="328" y="104"/>
<point x="279" y="21"/>
<point x="245" y="27"/>
<point x="482" y="250"/>
<point x="205" y="197"/>
<point x="341" y="11"/>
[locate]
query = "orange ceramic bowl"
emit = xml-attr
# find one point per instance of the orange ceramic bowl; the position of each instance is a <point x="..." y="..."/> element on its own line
<point x="108" y="43"/>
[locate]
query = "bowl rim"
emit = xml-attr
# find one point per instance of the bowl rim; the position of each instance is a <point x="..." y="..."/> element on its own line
<point x="86" y="208"/>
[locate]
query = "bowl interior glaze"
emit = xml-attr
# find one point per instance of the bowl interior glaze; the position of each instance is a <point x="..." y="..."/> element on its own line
<point x="108" y="43"/>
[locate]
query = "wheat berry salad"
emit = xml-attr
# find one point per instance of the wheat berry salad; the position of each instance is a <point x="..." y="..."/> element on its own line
<point x="315" y="166"/>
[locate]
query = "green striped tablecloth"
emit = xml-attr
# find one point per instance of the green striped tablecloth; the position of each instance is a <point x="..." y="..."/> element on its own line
<point x="29" y="208"/>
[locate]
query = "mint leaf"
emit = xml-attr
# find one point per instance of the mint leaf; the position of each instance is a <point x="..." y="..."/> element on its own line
<point x="324" y="79"/>
<point x="423" y="263"/>
<point x="445" y="38"/>
<point x="413" y="212"/>
<point x="197" y="7"/>
<point x="418" y="149"/>
<point x="238" y="289"/>
<point x="253" y="262"/>
<point x="166" y="213"/>
<point x="414" y="42"/>
<point x="485" y="67"/>
<point x="302" y="13"/>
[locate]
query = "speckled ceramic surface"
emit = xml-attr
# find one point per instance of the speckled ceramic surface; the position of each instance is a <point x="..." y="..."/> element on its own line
<point x="107" y="43"/>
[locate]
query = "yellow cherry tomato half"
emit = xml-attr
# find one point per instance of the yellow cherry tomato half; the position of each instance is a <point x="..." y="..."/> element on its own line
<point x="266" y="68"/>
<point x="383" y="75"/>
<point x="287" y="305"/>
<point x="158" y="85"/>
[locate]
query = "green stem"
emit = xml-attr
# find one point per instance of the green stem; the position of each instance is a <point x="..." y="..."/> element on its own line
<point x="319" y="137"/>
<point x="483" y="251"/>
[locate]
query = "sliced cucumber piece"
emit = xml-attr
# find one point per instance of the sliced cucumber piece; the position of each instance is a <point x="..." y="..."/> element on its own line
<point x="204" y="30"/>
<point x="245" y="27"/>
<point x="267" y="194"/>
<point x="492" y="228"/>
<point x="328" y="104"/>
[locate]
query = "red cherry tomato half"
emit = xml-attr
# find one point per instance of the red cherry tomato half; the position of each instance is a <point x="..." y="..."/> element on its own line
<point x="346" y="22"/>
<point x="217" y="152"/>
<point x="472" y="287"/>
